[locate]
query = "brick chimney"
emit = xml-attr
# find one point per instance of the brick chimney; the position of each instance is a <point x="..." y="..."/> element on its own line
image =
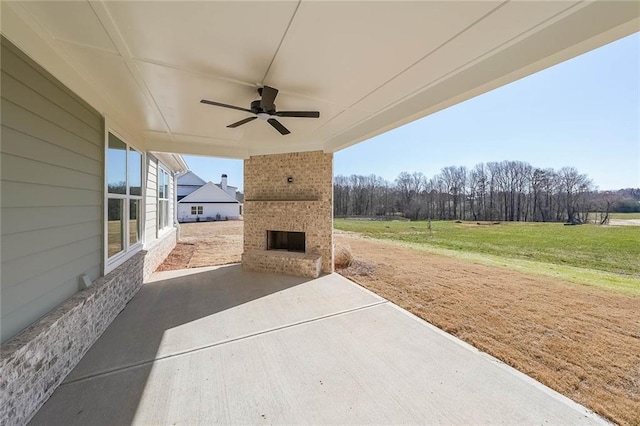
<point x="223" y="183"/>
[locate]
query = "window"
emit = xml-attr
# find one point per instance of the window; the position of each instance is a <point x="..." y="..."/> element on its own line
<point x="124" y="198"/>
<point x="163" y="199"/>
<point x="196" y="209"/>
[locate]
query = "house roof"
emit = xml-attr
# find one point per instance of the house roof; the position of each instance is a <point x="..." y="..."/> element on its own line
<point x="174" y="161"/>
<point x="208" y="193"/>
<point x="228" y="186"/>
<point x="190" y="179"/>
<point x="367" y="67"/>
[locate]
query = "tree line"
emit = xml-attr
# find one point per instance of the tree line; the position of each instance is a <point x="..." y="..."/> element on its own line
<point x="493" y="191"/>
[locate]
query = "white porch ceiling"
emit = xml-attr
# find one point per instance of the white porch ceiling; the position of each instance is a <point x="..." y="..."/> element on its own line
<point x="367" y="67"/>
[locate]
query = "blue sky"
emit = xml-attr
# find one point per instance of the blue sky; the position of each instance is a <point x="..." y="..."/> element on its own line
<point x="583" y="113"/>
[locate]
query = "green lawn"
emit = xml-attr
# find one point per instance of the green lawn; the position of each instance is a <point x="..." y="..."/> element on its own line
<point x="613" y="249"/>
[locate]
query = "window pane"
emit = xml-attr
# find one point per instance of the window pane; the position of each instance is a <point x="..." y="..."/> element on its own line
<point x="135" y="172"/>
<point x="116" y="166"/>
<point x="115" y="226"/>
<point x="161" y="193"/>
<point x="134" y="222"/>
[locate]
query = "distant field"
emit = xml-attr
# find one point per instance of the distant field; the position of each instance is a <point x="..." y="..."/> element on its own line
<point x="624" y="216"/>
<point x="604" y="248"/>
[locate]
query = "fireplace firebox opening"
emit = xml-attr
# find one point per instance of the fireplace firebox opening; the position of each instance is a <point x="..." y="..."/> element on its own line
<point x="282" y="240"/>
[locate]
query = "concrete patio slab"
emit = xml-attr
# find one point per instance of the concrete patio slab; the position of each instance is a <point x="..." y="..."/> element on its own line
<point x="178" y="311"/>
<point x="220" y="345"/>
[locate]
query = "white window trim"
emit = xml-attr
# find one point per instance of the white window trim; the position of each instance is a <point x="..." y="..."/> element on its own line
<point x="111" y="263"/>
<point x="163" y="231"/>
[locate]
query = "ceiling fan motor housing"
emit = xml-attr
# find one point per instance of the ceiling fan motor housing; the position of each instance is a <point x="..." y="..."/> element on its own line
<point x="256" y="108"/>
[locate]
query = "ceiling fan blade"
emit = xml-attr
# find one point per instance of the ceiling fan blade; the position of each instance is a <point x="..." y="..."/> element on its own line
<point x="268" y="97"/>
<point x="204" y="101"/>
<point x="302" y="114"/>
<point x="241" y="122"/>
<point x="278" y="126"/>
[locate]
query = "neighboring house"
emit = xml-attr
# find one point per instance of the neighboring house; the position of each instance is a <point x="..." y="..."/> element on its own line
<point x="187" y="183"/>
<point x="219" y="201"/>
<point x="209" y="202"/>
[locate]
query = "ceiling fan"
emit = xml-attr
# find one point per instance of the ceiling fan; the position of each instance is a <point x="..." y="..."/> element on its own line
<point x="265" y="109"/>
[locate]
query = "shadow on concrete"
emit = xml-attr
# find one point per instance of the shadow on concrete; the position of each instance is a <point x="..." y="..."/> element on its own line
<point x="341" y="355"/>
<point x="166" y="318"/>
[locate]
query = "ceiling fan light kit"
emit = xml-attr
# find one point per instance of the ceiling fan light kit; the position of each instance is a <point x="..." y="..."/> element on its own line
<point x="265" y="109"/>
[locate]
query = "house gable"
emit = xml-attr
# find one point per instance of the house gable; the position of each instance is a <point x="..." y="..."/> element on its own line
<point x="190" y="179"/>
<point x="187" y="183"/>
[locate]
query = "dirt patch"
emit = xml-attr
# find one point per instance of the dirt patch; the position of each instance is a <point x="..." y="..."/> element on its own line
<point x="178" y="258"/>
<point x="581" y="341"/>
<point x="624" y="222"/>
<point x="214" y="243"/>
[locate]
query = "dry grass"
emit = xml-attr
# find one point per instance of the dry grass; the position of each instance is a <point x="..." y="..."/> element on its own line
<point x="581" y="341"/>
<point x="358" y="268"/>
<point x="342" y="257"/>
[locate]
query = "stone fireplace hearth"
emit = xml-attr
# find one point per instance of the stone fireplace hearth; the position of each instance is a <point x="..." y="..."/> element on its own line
<point x="289" y="193"/>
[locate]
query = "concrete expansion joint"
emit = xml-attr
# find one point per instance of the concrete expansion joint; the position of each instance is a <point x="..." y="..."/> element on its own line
<point x="113" y="371"/>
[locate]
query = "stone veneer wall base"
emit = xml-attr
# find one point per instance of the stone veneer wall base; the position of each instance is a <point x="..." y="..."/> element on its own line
<point x="158" y="251"/>
<point x="37" y="360"/>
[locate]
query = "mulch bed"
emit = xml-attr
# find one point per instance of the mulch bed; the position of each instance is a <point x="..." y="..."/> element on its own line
<point x="179" y="257"/>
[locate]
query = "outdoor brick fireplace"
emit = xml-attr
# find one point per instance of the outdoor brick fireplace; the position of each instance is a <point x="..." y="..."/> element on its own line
<point x="288" y="213"/>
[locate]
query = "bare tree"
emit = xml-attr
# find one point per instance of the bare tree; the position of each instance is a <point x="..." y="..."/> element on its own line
<point x="574" y="186"/>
